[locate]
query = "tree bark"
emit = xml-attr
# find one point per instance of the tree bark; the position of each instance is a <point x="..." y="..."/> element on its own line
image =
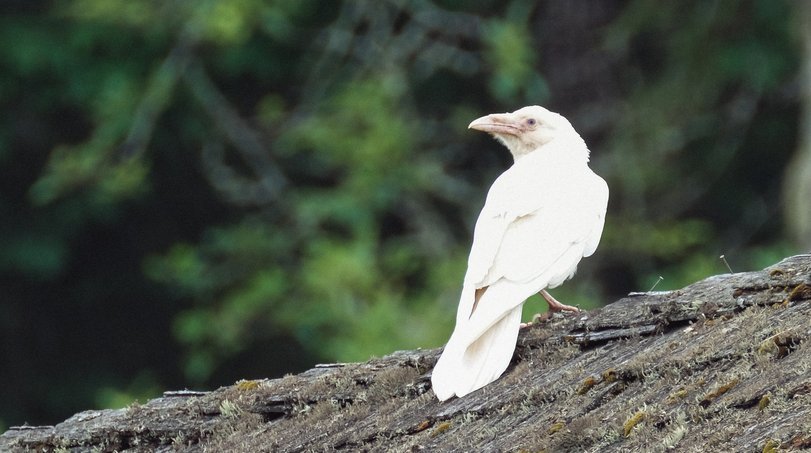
<point x="721" y="365"/>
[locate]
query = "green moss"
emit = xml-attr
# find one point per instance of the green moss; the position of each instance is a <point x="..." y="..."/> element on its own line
<point x="557" y="426"/>
<point x="771" y="446"/>
<point x="628" y="426"/>
<point x="422" y="426"/>
<point x="441" y="428"/>
<point x="715" y="394"/>
<point x="764" y="401"/>
<point x="609" y="375"/>
<point x="247" y="385"/>
<point x="677" y="395"/>
<point x="587" y="385"/>
<point x="801" y="291"/>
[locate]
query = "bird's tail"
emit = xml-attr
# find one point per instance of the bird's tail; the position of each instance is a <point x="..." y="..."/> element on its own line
<point x="481" y="347"/>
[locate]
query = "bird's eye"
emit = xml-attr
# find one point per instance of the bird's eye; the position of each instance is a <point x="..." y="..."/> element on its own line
<point x="531" y="121"/>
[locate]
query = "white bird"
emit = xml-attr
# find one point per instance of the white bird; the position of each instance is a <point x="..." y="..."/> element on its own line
<point x="541" y="216"/>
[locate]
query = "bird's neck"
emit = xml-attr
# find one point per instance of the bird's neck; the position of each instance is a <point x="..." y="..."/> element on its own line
<point x="560" y="151"/>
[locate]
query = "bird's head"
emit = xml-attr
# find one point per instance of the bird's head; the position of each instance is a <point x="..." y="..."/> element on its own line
<point x="527" y="129"/>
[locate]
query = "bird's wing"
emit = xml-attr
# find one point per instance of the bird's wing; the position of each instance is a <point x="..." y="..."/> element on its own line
<point x="571" y="217"/>
<point x="528" y="223"/>
<point x="498" y="213"/>
<point x="512" y="196"/>
<point x="600" y="200"/>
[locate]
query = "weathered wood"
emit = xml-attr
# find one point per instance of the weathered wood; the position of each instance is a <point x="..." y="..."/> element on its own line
<point x="721" y="365"/>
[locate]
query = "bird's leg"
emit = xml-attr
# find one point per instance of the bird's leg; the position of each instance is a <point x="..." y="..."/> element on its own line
<point x="554" y="305"/>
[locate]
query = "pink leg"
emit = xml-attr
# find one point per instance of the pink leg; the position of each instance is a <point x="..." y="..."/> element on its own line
<point x="554" y="305"/>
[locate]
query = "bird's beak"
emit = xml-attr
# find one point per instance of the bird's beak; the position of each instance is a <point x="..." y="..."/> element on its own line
<point x="496" y="123"/>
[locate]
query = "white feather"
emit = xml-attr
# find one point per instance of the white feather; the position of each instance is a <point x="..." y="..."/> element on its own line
<point x="541" y="216"/>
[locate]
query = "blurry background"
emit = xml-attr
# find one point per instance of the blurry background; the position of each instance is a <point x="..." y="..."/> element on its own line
<point x="197" y="192"/>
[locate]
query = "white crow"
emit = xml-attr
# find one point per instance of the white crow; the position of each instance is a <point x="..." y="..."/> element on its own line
<point x="542" y="216"/>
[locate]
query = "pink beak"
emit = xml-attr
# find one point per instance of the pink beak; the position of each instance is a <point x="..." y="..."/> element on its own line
<point x="497" y="123"/>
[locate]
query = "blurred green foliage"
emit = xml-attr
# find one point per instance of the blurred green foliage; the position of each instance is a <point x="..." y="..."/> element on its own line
<point x="197" y="192"/>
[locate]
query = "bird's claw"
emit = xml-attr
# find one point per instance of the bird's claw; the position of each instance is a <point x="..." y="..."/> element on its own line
<point x="537" y="318"/>
<point x="555" y="305"/>
<point x="563" y="307"/>
<point x="546" y="317"/>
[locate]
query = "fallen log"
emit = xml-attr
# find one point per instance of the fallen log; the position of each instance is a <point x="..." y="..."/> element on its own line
<point x="723" y="364"/>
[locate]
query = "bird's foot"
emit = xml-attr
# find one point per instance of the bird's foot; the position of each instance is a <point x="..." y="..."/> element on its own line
<point x="562" y="307"/>
<point x="554" y="306"/>
<point x="537" y="318"/>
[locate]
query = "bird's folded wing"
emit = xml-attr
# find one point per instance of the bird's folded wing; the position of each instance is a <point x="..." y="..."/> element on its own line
<point x="511" y="197"/>
<point x="528" y="223"/>
<point x="534" y="243"/>
<point x="600" y="203"/>
<point x="490" y="230"/>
